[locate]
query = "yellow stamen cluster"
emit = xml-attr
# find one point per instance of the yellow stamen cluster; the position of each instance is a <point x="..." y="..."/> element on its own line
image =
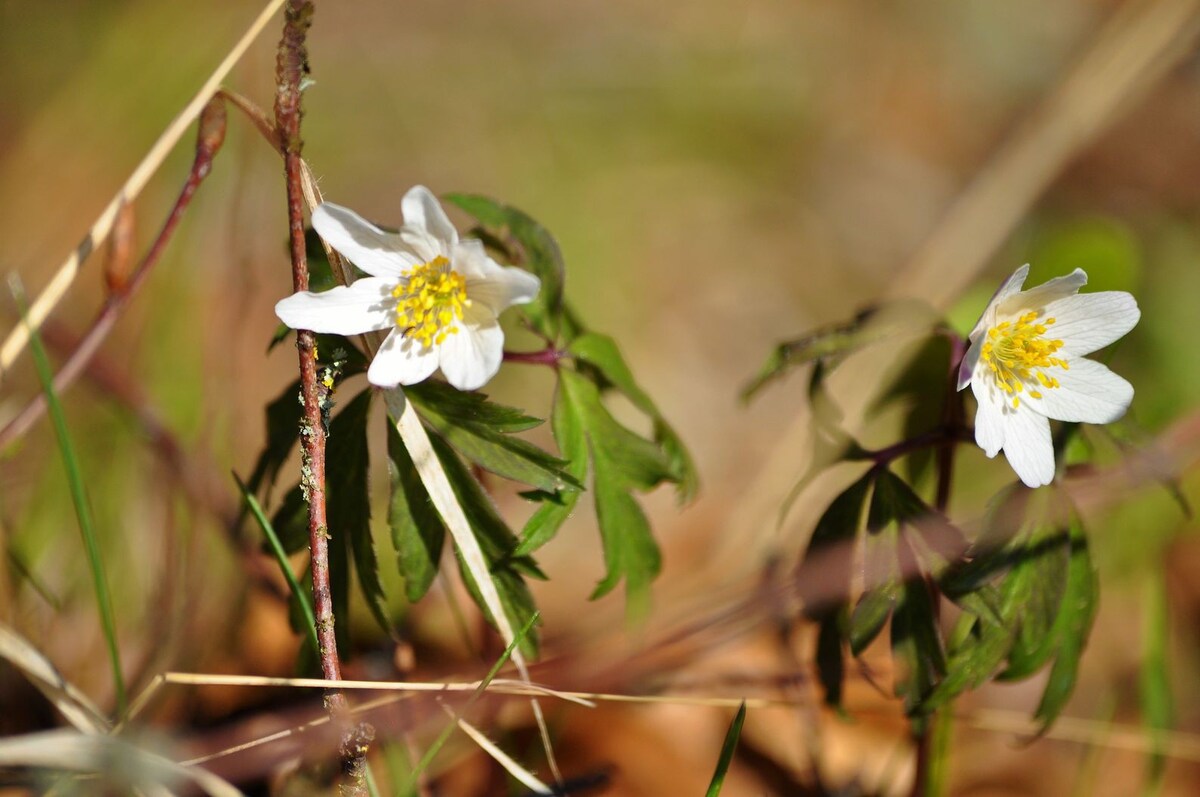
<point x="1017" y="352"/>
<point x="431" y="302"/>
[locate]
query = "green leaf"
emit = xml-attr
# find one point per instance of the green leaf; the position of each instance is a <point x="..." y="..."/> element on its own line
<point x="349" y="504"/>
<point x="290" y="520"/>
<point x="299" y="595"/>
<point x="1154" y="680"/>
<point x="1073" y="625"/>
<point x="629" y="548"/>
<point x="829" y="345"/>
<point x="831" y="666"/>
<point x="529" y="245"/>
<point x="837" y="528"/>
<point x="283" y="430"/>
<point x="418" y="533"/>
<point x="639" y="462"/>
<point x="497" y="543"/>
<point x="727" y="747"/>
<point x="475" y="429"/>
<point x="555" y="509"/>
<point x="621" y="461"/>
<point x="461" y="406"/>
<point x="916" y="648"/>
<point x="869" y="616"/>
<point x="601" y="352"/>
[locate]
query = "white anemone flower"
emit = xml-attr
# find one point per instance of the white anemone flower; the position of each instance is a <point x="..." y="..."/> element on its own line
<point x="438" y="296"/>
<point x="1026" y="365"/>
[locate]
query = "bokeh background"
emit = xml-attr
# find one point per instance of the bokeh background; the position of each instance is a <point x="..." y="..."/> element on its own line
<point x="720" y="176"/>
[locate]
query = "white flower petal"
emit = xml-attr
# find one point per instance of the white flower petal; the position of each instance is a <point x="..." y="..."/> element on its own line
<point x="472" y="260"/>
<point x="401" y="361"/>
<point x="504" y="288"/>
<point x="1027" y="445"/>
<point x="1091" y="321"/>
<point x="472" y="356"/>
<point x="989" y="417"/>
<point x="1011" y="285"/>
<point x="365" y="306"/>
<point x="1037" y="298"/>
<point x="421" y="209"/>
<point x="1087" y="393"/>
<point x="379" y="253"/>
<point x="966" y="368"/>
<point x="426" y="246"/>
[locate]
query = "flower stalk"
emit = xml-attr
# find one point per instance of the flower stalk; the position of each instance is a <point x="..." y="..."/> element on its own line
<point x="291" y="67"/>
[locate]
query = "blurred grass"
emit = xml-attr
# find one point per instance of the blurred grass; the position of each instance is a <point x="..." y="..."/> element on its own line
<point x="720" y="177"/>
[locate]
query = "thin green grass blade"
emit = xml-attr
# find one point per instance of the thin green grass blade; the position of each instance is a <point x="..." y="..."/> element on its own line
<point x="83" y="511"/>
<point x="731" y="739"/>
<point x="440" y="741"/>
<point x="284" y="565"/>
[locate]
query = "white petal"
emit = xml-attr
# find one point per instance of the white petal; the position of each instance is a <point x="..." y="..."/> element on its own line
<point x="1027" y="445"/>
<point x="1044" y="294"/>
<point x="421" y="209"/>
<point x="379" y="253"/>
<point x="989" y="418"/>
<point x="966" y="369"/>
<point x="504" y="288"/>
<point x="1087" y="393"/>
<point x="472" y="260"/>
<point x="1011" y="286"/>
<point x="426" y="246"/>
<point x="365" y="306"/>
<point x="401" y="361"/>
<point x="472" y="356"/>
<point x="1091" y="321"/>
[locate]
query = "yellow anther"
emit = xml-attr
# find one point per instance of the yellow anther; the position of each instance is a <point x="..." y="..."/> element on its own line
<point x="431" y="301"/>
<point x="1017" y="353"/>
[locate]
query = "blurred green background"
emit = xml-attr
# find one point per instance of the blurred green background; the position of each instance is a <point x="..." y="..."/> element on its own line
<point x="720" y="176"/>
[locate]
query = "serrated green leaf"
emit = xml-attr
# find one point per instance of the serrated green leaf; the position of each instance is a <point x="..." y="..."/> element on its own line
<point x="602" y="353"/>
<point x="497" y="543"/>
<point x="291" y="521"/>
<point x="418" y="533"/>
<point x="630" y="551"/>
<point x="1072" y="626"/>
<point x="916" y="648"/>
<point x="475" y="428"/>
<point x="555" y="509"/>
<point x="837" y="526"/>
<point x="640" y="463"/>
<point x="869" y="616"/>
<point x="529" y="245"/>
<point x="283" y="430"/>
<point x="349" y="505"/>
<point x="460" y="406"/>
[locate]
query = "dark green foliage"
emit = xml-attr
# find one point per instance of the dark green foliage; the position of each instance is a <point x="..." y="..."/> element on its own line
<point x="527" y="244"/>
<point x="418" y="534"/>
<point x="482" y="432"/>
<point x="497" y="541"/>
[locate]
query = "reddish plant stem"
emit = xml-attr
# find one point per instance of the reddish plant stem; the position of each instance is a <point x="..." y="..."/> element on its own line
<point x="210" y="136"/>
<point x="291" y="68"/>
<point x="547" y="356"/>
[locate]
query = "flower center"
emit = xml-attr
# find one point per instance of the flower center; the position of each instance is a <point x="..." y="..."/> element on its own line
<point x="431" y="302"/>
<point x="1017" y="352"/>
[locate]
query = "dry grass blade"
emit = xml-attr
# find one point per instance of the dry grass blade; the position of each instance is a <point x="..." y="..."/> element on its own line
<point x="510" y="766"/>
<point x="74" y="752"/>
<point x="1134" y="50"/>
<point x="50" y="296"/>
<point x="73" y="704"/>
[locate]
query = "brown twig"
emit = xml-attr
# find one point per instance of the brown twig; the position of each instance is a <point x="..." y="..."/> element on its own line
<point x="291" y="69"/>
<point x="210" y="136"/>
<point x="548" y="356"/>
